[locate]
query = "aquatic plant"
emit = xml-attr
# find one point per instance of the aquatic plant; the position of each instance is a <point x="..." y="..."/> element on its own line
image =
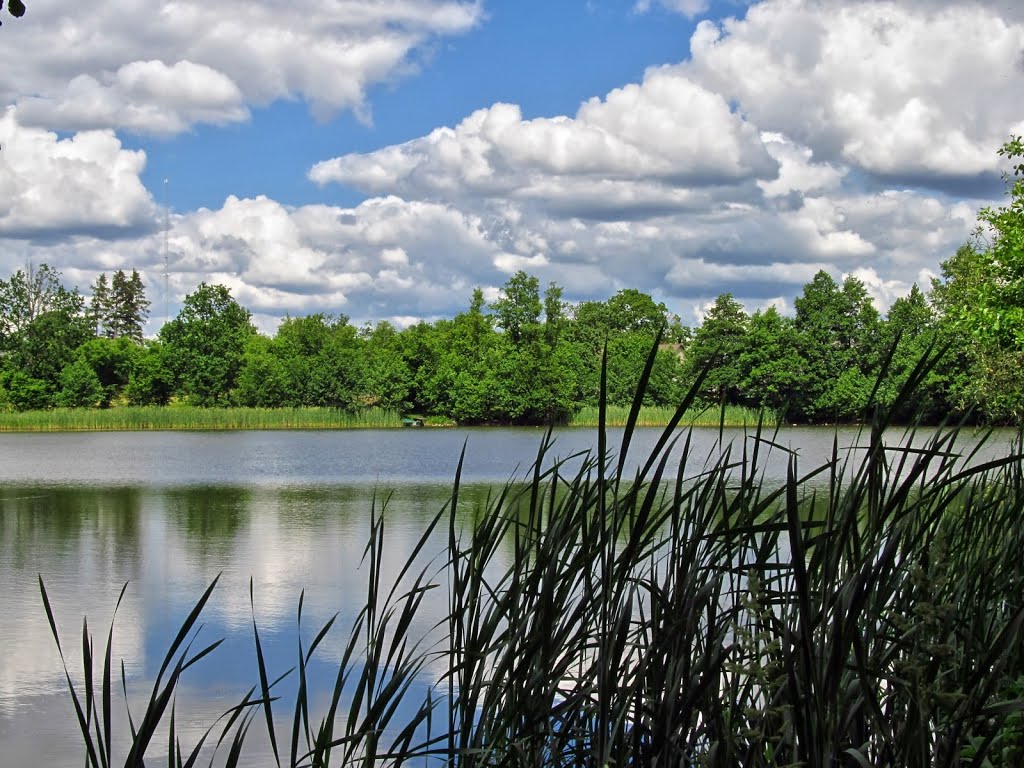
<point x="128" y="418"/>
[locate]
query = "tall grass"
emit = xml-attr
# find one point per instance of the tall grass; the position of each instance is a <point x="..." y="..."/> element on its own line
<point x="189" y="418"/>
<point x="682" y="614"/>
<point x="659" y="416"/>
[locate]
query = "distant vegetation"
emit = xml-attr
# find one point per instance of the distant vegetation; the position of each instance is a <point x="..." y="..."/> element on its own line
<point x="532" y="358"/>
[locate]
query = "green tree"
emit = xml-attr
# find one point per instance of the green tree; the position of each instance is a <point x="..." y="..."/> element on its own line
<point x="519" y="308"/>
<point x="29" y="294"/>
<point x="386" y="376"/>
<point x="337" y="372"/>
<point x="554" y="313"/>
<point x="112" y="360"/>
<point x="24" y="392"/>
<point x="80" y="387"/>
<point x="99" y="306"/>
<point x="263" y="381"/>
<point x="129" y="307"/>
<point x="151" y="380"/>
<point x="909" y="333"/>
<point x="980" y="299"/>
<point x="590" y="326"/>
<point x="632" y="310"/>
<point x="299" y="344"/>
<point x="205" y="344"/>
<point x="717" y="344"/>
<point x="48" y="343"/>
<point x="421" y="348"/>
<point x="838" y="331"/>
<point x="771" y="368"/>
<point x="627" y="356"/>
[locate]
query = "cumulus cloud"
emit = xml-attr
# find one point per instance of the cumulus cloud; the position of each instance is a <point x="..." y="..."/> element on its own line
<point x="902" y="90"/>
<point x="144" y="96"/>
<point x="162" y="67"/>
<point x="85" y="183"/>
<point x="648" y="146"/>
<point x="742" y="170"/>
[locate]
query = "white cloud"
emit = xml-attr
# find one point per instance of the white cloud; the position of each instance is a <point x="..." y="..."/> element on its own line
<point x="905" y="90"/>
<point x="883" y="292"/>
<point x="87" y="182"/>
<point x="797" y="170"/>
<point x="649" y="145"/>
<point x="737" y="172"/>
<point x="162" y="67"/>
<point x="144" y="96"/>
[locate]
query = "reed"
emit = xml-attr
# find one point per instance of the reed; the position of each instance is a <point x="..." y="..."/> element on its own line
<point x="128" y="418"/>
<point x="681" y="614"/>
<point x="658" y="416"/>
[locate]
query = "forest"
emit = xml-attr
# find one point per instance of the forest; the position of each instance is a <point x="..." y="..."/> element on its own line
<point x="532" y="358"/>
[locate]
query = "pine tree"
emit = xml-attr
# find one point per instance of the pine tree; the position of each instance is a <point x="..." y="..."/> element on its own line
<point x="128" y="306"/>
<point x="99" y="305"/>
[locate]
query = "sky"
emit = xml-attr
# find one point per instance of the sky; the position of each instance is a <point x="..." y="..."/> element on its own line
<point x="379" y="159"/>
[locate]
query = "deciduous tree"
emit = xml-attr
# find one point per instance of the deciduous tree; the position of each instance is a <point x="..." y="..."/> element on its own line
<point x="519" y="308"/>
<point x="205" y="344"/>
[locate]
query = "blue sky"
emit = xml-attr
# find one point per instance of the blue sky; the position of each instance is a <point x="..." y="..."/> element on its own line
<point x="547" y="57"/>
<point x="380" y="158"/>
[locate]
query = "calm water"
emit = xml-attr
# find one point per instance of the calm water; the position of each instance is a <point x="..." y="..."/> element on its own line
<point x="168" y="511"/>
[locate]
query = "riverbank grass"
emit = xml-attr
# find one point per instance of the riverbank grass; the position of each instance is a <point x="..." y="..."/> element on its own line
<point x="133" y="418"/>
<point x="655" y="416"/>
<point x="138" y="418"/>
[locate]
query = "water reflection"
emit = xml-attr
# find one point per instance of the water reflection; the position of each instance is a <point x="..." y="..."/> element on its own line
<point x="291" y="511"/>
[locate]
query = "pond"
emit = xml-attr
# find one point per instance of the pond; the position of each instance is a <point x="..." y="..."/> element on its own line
<point x="169" y="511"/>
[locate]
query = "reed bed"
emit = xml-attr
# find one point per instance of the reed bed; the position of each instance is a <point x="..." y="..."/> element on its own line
<point x="129" y="418"/>
<point x="657" y="416"/>
<point x="683" y="614"/>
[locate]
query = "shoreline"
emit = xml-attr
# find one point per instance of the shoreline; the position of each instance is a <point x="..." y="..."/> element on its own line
<point x="188" y="419"/>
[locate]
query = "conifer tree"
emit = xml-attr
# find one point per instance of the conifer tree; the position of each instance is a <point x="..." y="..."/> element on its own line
<point x="128" y="306"/>
<point x="99" y="305"/>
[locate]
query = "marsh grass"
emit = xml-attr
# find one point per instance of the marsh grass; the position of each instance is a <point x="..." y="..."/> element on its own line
<point x="682" y="614"/>
<point x="657" y="416"/>
<point x="128" y="418"/>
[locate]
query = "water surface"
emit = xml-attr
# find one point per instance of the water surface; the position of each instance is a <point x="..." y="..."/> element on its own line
<point x="169" y="511"/>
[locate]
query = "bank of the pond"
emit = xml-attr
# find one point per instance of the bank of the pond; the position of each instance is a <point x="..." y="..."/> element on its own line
<point x="135" y="418"/>
<point x="187" y="418"/>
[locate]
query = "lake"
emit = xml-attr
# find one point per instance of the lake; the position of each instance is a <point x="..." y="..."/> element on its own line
<point x="169" y="511"/>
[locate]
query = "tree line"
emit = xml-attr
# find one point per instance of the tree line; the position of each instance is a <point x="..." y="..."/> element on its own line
<point x="530" y="357"/>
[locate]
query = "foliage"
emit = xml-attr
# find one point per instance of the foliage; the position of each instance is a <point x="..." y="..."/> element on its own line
<point x="770" y="366"/>
<point x="15" y="7"/>
<point x="27" y="295"/>
<point x="519" y="308"/>
<point x="80" y="387"/>
<point x="25" y="393"/>
<point x="204" y="344"/>
<point x="717" y="346"/>
<point x="150" y="381"/>
<point x="118" y="308"/>
<point x="112" y="361"/>
<point x="837" y="329"/>
<point x="981" y="299"/>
